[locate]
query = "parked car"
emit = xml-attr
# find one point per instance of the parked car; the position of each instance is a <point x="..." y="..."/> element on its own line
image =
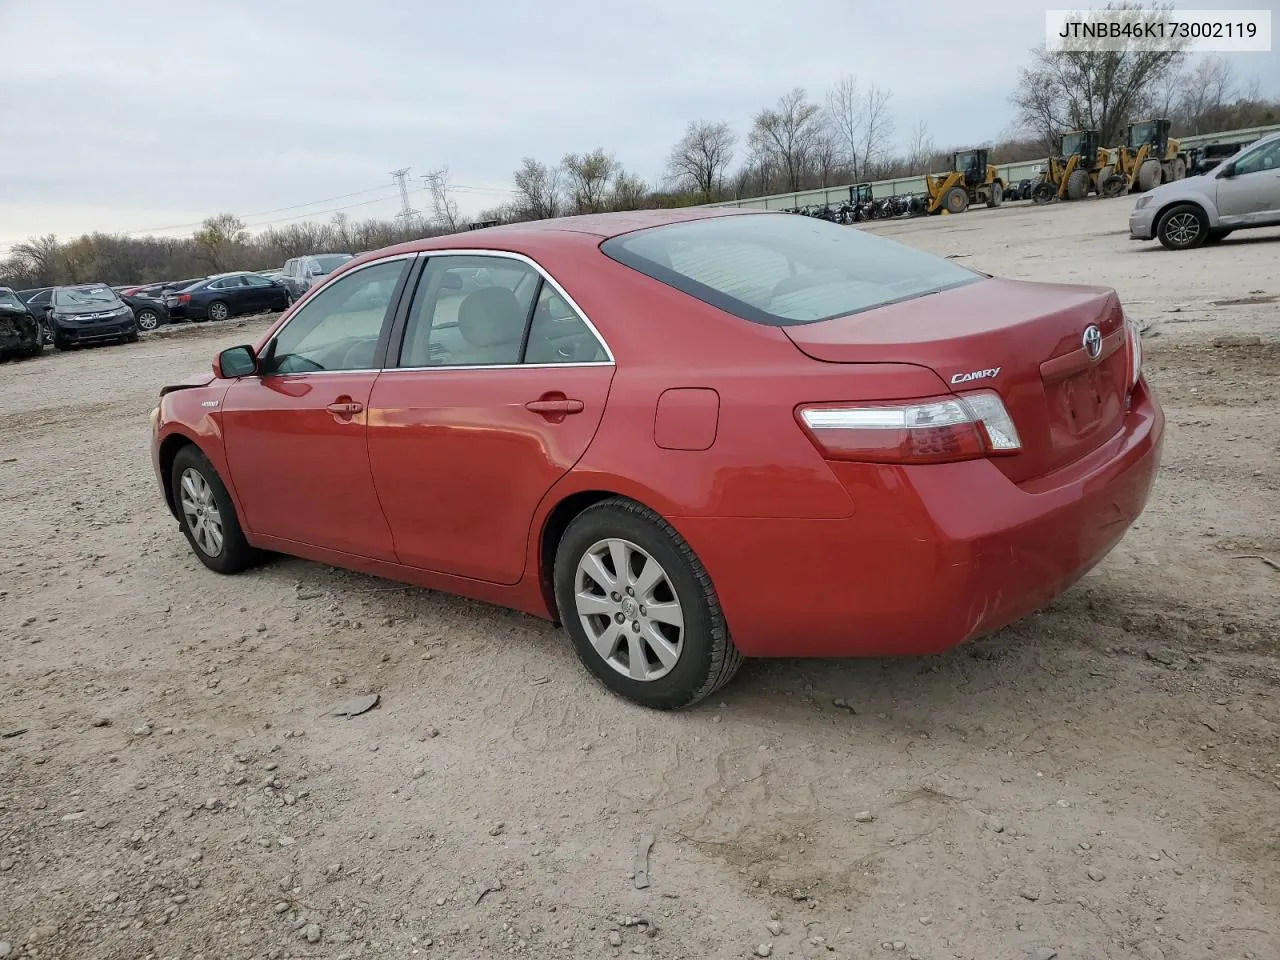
<point x="148" y="307"/>
<point x="302" y="273"/>
<point x="37" y="300"/>
<point x="275" y="275"/>
<point x="20" y="332"/>
<point x="819" y="442"/>
<point x="1237" y="194"/>
<point x="89" y="313"/>
<point x="226" y="295"/>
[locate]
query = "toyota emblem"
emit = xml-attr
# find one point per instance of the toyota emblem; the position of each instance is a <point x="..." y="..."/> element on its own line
<point x="1092" y="340"/>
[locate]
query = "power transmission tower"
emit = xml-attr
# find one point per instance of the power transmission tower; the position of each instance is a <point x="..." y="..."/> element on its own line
<point x="407" y="214"/>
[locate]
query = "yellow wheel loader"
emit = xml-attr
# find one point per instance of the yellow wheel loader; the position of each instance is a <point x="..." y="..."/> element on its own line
<point x="971" y="179"/>
<point x="1150" y="156"/>
<point x="1081" y="167"/>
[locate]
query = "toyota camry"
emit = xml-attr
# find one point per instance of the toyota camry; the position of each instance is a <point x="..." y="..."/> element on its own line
<point x="688" y="436"/>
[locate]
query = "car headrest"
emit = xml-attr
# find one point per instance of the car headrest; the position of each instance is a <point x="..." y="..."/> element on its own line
<point x="490" y="317"/>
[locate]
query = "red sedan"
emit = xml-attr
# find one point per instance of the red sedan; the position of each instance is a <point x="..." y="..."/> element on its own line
<point x="688" y="436"/>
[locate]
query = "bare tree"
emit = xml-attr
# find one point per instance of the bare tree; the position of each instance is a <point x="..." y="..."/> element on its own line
<point x="1093" y="88"/>
<point x="877" y="127"/>
<point x="589" y="176"/>
<point x="38" y="260"/>
<point x="627" y="192"/>
<point x="444" y="209"/>
<point x="786" y="134"/>
<point x="342" y="229"/>
<point x="537" y="190"/>
<point x="825" y="155"/>
<point x="844" y="108"/>
<point x="701" y="157"/>
<point x="219" y="240"/>
<point x="1205" y="90"/>
<point x="921" y="149"/>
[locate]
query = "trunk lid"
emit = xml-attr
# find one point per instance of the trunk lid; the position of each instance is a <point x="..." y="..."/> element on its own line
<point x="1023" y="340"/>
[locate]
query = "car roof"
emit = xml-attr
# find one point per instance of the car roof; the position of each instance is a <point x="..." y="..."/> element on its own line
<point x="587" y="230"/>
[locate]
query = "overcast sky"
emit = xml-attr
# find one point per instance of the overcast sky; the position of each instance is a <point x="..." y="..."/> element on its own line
<point x="142" y="114"/>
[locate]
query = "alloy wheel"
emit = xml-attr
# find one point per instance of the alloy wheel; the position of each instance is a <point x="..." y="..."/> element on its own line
<point x="218" y="311"/>
<point x="148" y="320"/>
<point x="1183" y="228"/>
<point x="629" y="609"/>
<point x="201" y="512"/>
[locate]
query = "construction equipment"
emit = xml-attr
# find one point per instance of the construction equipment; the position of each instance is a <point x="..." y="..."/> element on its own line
<point x="1081" y="167"/>
<point x="1150" y="156"/>
<point x="971" y="179"/>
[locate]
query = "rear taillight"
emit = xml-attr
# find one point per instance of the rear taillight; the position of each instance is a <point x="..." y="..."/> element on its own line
<point x="1133" y="340"/>
<point x="938" y="430"/>
<point x="184" y="298"/>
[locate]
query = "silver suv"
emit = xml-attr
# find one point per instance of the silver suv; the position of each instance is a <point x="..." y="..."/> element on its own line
<point x="303" y="273"/>
<point x="1241" y="192"/>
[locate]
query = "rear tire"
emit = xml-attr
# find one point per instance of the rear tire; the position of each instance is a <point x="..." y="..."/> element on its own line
<point x="956" y="200"/>
<point x="995" y="196"/>
<point x="1078" y="185"/>
<point x="1043" y="192"/>
<point x="1150" y="175"/>
<point x="207" y="515"/>
<point x="1183" y="227"/>
<point x="661" y="568"/>
<point x="1112" y="185"/>
<point x="148" y="320"/>
<point x="218" y="311"/>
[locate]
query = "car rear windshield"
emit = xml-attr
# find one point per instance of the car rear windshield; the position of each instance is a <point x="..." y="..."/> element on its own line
<point x="10" y="299"/>
<point x="784" y="269"/>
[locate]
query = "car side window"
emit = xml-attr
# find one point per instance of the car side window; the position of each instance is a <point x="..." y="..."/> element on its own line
<point x="469" y="311"/>
<point x="558" y="334"/>
<point x="1264" y="158"/>
<point x="251" y="280"/>
<point x="338" y="329"/>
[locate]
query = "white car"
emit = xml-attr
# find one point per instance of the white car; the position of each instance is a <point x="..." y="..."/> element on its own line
<point x="1239" y="193"/>
<point x="302" y="273"/>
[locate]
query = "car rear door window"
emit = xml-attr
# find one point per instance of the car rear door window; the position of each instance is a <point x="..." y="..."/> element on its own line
<point x="558" y="334"/>
<point x="339" y="328"/>
<point x="469" y="311"/>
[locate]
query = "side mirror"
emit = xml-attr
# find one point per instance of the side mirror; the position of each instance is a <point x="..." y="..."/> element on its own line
<point x="235" y="362"/>
<point x="1228" y="170"/>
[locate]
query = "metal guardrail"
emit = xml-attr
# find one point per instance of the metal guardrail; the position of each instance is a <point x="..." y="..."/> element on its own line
<point x="1025" y="170"/>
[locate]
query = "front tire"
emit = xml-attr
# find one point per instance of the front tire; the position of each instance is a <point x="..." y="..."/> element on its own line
<point x="1150" y="175"/>
<point x="1183" y="227"/>
<point x="207" y="515"/>
<point x="640" y="608"/>
<point x="996" y="195"/>
<point x="219" y="310"/>
<point x="956" y="200"/>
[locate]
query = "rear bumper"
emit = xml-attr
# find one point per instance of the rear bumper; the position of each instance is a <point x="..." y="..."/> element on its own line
<point x="934" y="555"/>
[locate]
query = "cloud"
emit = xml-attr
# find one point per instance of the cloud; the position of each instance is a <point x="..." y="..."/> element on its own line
<point x="152" y="113"/>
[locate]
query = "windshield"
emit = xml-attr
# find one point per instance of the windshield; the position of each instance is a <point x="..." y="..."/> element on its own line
<point x="329" y="262"/>
<point x="10" y="299"/>
<point x="84" y="297"/>
<point x="1141" y="133"/>
<point x="784" y="270"/>
<point x="1072" y="143"/>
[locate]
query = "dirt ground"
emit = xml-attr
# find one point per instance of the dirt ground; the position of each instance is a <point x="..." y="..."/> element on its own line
<point x="1100" y="780"/>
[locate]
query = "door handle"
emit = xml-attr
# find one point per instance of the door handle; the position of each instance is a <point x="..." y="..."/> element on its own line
<point x="345" y="408"/>
<point x="555" y="406"/>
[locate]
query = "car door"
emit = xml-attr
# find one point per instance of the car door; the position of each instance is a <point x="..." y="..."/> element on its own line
<point x="479" y="412"/>
<point x="258" y="292"/>
<point x="295" y="432"/>
<point x="1251" y="194"/>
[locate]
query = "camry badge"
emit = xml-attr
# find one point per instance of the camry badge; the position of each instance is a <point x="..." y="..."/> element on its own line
<point x="1092" y="341"/>
<point x="975" y="375"/>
